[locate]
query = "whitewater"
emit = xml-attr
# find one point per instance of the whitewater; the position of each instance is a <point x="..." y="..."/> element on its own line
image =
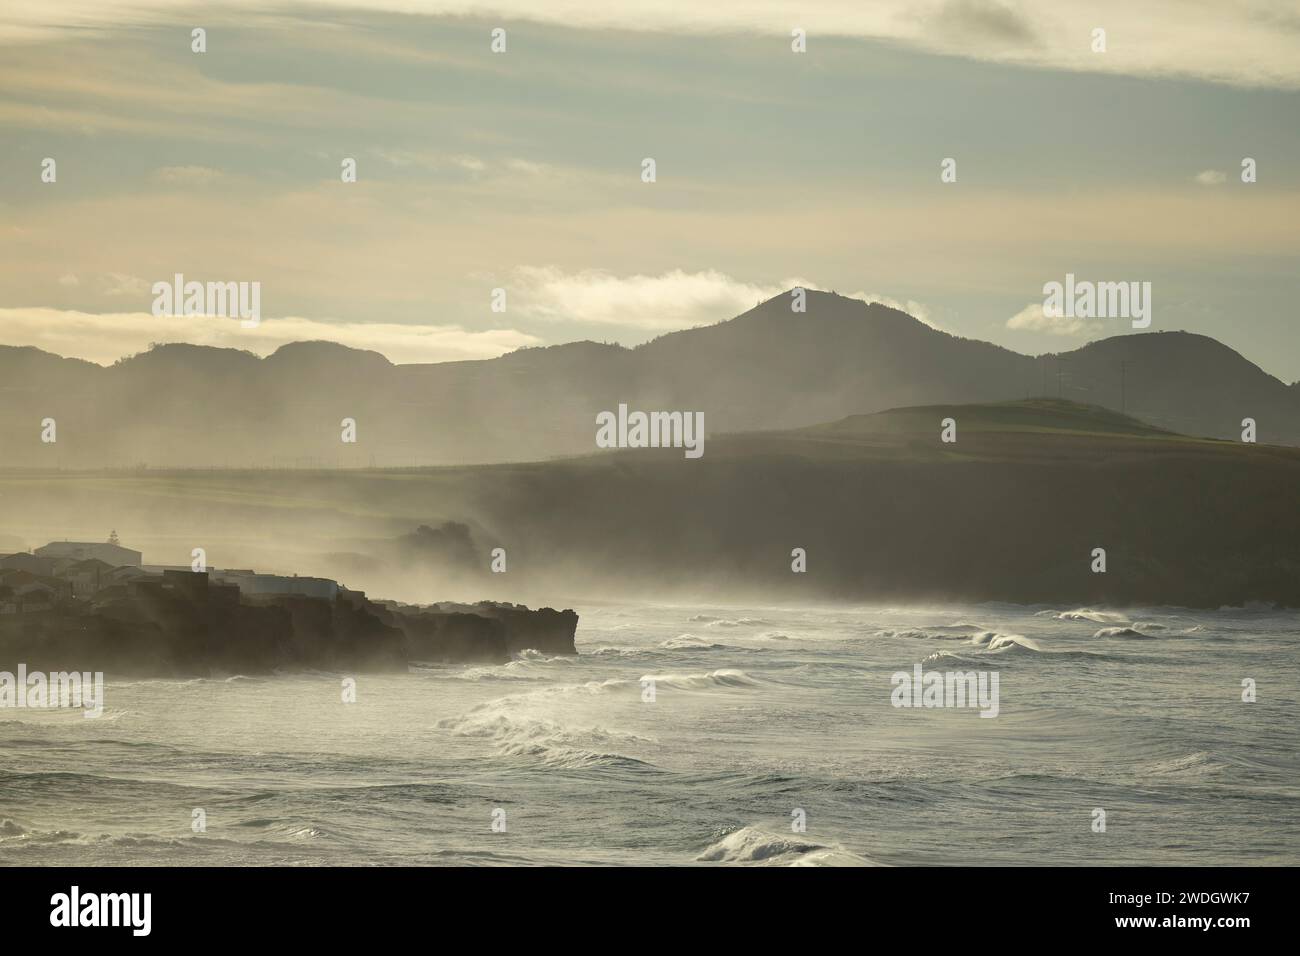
<point x="703" y="736"/>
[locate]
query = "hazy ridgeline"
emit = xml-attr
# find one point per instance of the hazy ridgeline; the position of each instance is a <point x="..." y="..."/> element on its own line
<point x="1011" y="511"/>
<point x="185" y="405"/>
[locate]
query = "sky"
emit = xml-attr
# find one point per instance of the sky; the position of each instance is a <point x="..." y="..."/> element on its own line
<point x="522" y="170"/>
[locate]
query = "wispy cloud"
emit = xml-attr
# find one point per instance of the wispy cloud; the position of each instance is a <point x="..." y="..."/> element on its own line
<point x="430" y="161"/>
<point x="1032" y="318"/>
<point x="672" y="300"/>
<point x="120" y="284"/>
<point x="913" y="308"/>
<point x="188" y="175"/>
<point x="1247" y="43"/>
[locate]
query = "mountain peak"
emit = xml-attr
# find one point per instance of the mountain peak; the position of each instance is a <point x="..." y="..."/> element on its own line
<point x="180" y="353"/>
<point x="819" y="306"/>
<point x="323" y="350"/>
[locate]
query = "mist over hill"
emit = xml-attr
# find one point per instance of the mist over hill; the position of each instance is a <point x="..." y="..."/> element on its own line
<point x="769" y="368"/>
<point x="883" y="508"/>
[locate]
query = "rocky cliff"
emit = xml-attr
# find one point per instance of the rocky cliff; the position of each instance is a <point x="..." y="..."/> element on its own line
<point x="183" y="627"/>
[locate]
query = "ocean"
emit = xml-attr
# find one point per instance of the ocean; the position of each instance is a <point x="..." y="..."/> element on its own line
<point x="688" y="735"/>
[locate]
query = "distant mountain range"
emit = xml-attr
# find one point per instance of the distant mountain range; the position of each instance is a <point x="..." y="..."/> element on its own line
<point x="769" y="368"/>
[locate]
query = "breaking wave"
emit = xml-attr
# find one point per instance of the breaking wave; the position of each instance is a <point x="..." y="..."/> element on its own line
<point x="689" y="642"/>
<point x="1088" y="614"/>
<point x="723" y="677"/>
<point x="994" y="641"/>
<point x="935" y="631"/>
<point x="1121" y="632"/>
<point x="515" y="734"/>
<point x="754" y="846"/>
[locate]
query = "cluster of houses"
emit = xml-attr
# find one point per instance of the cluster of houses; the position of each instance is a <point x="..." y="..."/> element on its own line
<point x="63" y="575"/>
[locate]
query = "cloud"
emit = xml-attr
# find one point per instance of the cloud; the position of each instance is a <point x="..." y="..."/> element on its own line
<point x="430" y="161"/>
<point x="913" y="308"/>
<point x="121" y="284"/>
<point x="1211" y="177"/>
<point x="188" y="175"/>
<point x="106" y="337"/>
<point x="994" y="21"/>
<point x="1032" y="318"/>
<point x="1246" y="43"/>
<point x="673" y="300"/>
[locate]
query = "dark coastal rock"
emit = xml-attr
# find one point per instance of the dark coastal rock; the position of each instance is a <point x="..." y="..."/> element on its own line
<point x="436" y="636"/>
<point x="181" y="624"/>
<point x="546" y="629"/>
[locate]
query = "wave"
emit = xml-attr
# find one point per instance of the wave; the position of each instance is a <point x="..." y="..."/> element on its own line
<point x="689" y="642"/>
<point x="608" y="651"/>
<point x="496" y="672"/>
<point x="723" y="677"/>
<point x="1106" y="632"/>
<point x="948" y="657"/>
<point x="995" y="641"/>
<point x="738" y="622"/>
<point x="14" y="833"/>
<point x="935" y="631"/>
<point x="516" y="730"/>
<point x="754" y="846"/>
<point x="531" y="655"/>
<point x="546" y="740"/>
<point x="980" y="656"/>
<point x="1087" y="614"/>
<point x="1198" y="763"/>
<point x="528" y="665"/>
<point x="110" y="715"/>
<point x="300" y="832"/>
